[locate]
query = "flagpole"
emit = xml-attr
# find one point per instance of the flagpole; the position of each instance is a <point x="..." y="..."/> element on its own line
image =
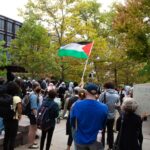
<point x="85" y="66"/>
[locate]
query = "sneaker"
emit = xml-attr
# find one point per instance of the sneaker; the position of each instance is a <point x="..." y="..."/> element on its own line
<point x="35" y="143"/>
<point x="33" y="147"/>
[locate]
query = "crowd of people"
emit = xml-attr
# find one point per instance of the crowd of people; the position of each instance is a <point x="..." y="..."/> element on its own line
<point x="90" y="113"/>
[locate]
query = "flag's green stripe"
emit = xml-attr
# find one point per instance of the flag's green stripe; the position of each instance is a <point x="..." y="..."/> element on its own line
<point x="73" y="53"/>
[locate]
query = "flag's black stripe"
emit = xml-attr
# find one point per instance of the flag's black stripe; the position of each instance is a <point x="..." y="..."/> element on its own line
<point x="84" y="42"/>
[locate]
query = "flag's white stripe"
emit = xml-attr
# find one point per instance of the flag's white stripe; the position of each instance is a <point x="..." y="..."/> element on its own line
<point x="73" y="46"/>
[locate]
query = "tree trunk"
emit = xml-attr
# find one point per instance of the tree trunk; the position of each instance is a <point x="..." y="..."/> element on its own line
<point x="62" y="72"/>
<point x="115" y="74"/>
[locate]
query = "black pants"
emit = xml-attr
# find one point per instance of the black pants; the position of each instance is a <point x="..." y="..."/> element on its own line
<point x="70" y="140"/>
<point x="49" y="134"/>
<point x="110" y="134"/>
<point x="11" y="128"/>
<point x="69" y="131"/>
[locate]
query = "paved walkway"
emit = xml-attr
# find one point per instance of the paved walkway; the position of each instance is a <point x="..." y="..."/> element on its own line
<point x="60" y="139"/>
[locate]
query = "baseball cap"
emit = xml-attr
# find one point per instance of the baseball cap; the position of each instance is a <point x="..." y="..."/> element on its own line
<point x="91" y="88"/>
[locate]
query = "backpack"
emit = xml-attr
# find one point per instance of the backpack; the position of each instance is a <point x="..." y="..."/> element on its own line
<point x="6" y="104"/>
<point x="44" y="117"/>
<point x="26" y="106"/>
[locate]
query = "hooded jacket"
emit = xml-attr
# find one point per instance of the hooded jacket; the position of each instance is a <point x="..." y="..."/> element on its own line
<point x="110" y="97"/>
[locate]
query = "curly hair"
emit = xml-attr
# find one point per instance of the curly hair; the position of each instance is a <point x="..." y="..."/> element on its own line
<point x="129" y="105"/>
<point x="52" y="94"/>
<point x="13" y="88"/>
<point x="109" y="85"/>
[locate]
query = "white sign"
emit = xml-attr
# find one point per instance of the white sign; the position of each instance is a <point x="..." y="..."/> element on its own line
<point x="141" y="93"/>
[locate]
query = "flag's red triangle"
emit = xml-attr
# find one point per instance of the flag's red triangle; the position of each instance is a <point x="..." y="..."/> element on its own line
<point x="87" y="48"/>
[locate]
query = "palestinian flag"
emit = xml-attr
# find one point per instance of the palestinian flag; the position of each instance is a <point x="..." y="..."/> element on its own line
<point x="77" y="50"/>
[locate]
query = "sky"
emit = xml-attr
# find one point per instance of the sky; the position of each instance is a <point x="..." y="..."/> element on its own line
<point x="9" y="8"/>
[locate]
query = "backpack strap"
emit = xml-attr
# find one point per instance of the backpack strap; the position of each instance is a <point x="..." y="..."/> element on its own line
<point x="104" y="100"/>
<point x="46" y="103"/>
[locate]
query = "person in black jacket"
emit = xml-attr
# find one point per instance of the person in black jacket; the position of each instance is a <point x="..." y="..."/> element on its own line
<point x="129" y="125"/>
<point x="70" y="102"/>
<point x="54" y="112"/>
<point x="11" y="124"/>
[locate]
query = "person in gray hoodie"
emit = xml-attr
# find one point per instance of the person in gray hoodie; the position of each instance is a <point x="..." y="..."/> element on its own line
<point x="111" y="98"/>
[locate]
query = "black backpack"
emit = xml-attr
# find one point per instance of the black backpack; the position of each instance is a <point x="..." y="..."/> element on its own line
<point x="6" y="104"/>
<point x="44" y="121"/>
<point x="26" y="106"/>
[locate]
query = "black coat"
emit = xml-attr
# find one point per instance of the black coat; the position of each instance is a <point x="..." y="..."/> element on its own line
<point x="72" y="100"/>
<point x="131" y="137"/>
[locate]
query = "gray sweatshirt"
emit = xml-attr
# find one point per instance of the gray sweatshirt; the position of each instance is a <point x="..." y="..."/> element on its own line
<point x="111" y="99"/>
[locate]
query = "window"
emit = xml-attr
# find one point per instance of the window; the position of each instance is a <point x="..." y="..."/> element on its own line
<point x="16" y="28"/>
<point x="8" y="55"/>
<point x="1" y="24"/>
<point x="1" y="37"/>
<point x="9" y="27"/>
<point x="9" y="38"/>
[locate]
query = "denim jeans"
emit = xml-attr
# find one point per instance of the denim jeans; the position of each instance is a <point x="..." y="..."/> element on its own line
<point x="94" y="146"/>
